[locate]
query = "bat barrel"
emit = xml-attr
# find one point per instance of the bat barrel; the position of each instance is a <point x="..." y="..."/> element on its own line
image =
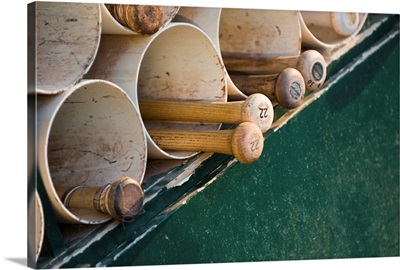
<point x="245" y="142"/>
<point x="123" y="19"/>
<point x="343" y="23"/>
<point x="238" y="33"/>
<point x="67" y="39"/>
<point x="329" y="30"/>
<point x="248" y="32"/>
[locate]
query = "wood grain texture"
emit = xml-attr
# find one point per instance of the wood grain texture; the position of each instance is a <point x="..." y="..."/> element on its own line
<point x="257" y="109"/>
<point x="286" y="88"/>
<point x="311" y="64"/>
<point x="245" y="142"/>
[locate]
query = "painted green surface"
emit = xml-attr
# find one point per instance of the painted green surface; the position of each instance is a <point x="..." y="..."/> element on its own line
<point x="327" y="185"/>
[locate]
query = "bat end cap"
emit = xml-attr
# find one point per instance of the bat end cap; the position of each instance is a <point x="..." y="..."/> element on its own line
<point x="289" y="88"/>
<point x="126" y="199"/>
<point x="259" y="110"/>
<point x="312" y="67"/>
<point x="247" y="142"/>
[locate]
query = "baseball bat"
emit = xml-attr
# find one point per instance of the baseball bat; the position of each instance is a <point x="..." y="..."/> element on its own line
<point x="343" y="23"/>
<point x="257" y="108"/>
<point x="311" y="64"/>
<point x="121" y="199"/>
<point x="286" y="88"/>
<point x="245" y="142"/>
<point x="141" y="19"/>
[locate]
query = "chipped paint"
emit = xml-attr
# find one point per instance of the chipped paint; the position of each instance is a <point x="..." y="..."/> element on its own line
<point x="82" y="248"/>
<point x="187" y="172"/>
<point x="137" y="239"/>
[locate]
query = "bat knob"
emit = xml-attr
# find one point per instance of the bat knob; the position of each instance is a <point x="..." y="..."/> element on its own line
<point x="289" y="88"/>
<point x="247" y="142"/>
<point x="312" y="67"/>
<point x="345" y="23"/>
<point x="124" y="199"/>
<point x="258" y="109"/>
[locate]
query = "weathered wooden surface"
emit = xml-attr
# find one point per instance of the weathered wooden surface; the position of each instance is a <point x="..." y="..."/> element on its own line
<point x="266" y="33"/>
<point x="238" y="33"/>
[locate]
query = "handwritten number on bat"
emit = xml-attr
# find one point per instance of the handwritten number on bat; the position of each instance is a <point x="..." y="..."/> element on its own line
<point x="254" y="145"/>
<point x="263" y="112"/>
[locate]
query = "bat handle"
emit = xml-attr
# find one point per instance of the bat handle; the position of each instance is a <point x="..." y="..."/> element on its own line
<point x="312" y="67"/>
<point x="245" y="142"/>
<point x="122" y="199"/>
<point x="256" y="108"/>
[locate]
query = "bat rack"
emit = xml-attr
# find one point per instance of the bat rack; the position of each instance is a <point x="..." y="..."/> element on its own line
<point x="169" y="184"/>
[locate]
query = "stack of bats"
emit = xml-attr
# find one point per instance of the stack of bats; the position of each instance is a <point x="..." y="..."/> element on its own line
<point x="265" y="81"/>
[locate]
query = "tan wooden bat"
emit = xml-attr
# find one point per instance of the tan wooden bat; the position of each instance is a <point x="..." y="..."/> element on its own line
<point x="245" y="142"/>
<point x="311" y="64"/>
<point x="286" y="88"/>
<point x="122" y="199"/>
<point x="257" y="108"/>
<point x="328" y="31"/>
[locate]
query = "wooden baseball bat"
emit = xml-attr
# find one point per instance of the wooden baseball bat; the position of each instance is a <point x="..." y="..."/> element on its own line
<point x="343" y="23"/>
<point x="287" y="88"/>
<point x="257" y="108"/>
<point x="245" y="142"/>
<point x="311" y="64"/>
<point x="121" y="199"/>
<point x="142" y="19"/>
